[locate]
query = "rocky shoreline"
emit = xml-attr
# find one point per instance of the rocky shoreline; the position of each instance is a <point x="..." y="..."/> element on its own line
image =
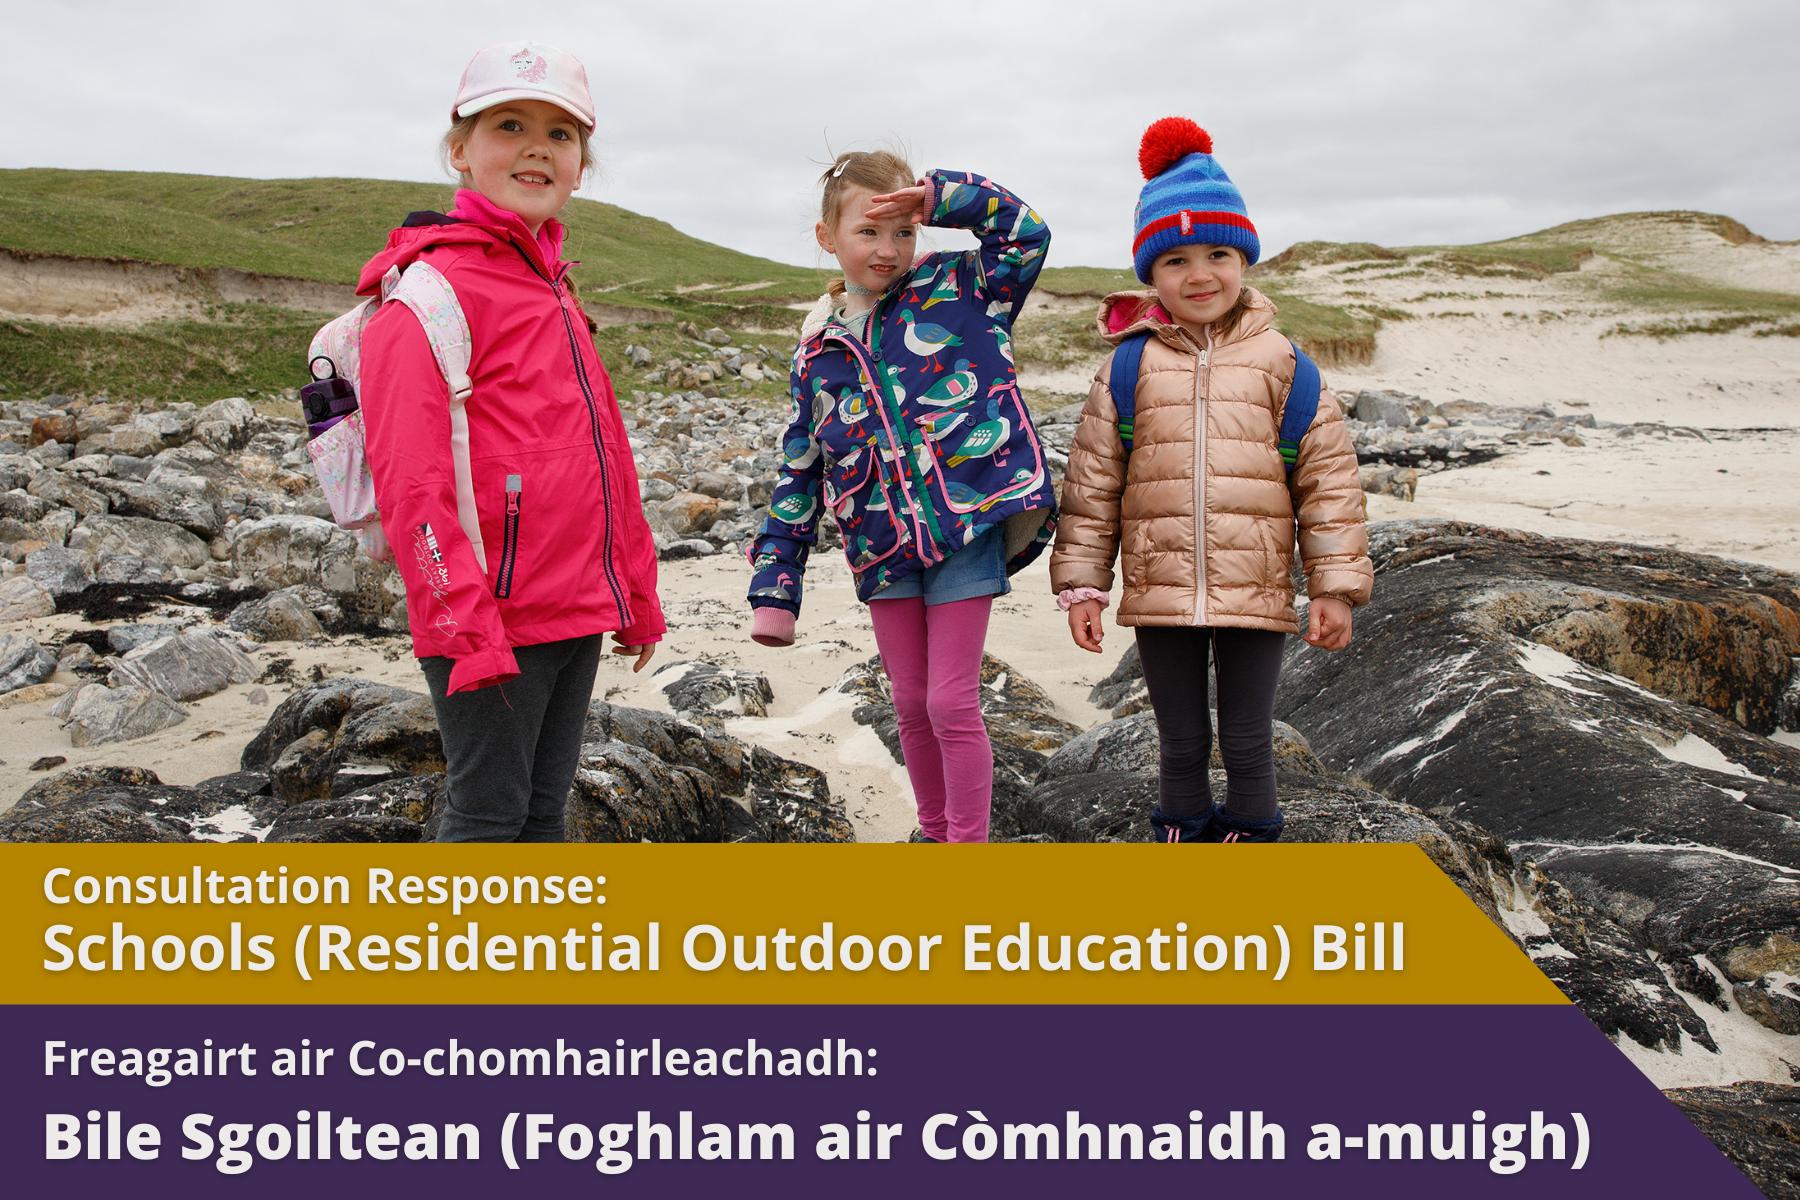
<point x="1597" y="743"/>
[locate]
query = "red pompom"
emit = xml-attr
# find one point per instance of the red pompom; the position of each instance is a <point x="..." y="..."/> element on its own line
<point x="1168" y="141"/>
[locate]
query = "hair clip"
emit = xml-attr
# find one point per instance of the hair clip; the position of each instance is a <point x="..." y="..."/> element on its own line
<point x="839" y="169"/>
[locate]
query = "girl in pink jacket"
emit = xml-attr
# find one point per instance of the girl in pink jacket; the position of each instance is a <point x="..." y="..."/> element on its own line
<point x="516" y="524"/>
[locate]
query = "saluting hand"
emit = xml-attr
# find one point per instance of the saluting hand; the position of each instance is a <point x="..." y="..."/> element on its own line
<point x="907" y="202"/>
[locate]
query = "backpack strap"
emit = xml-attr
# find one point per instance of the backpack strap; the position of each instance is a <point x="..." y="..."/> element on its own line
<point x="423" y="289"/>
<point x="1122" y="380"/>
<point x="1302" y="405"/>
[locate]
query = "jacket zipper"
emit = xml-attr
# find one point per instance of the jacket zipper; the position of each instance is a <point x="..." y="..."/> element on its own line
<point x="1202" y="365"/>
<point x="510" y="548"/>
<point x="912" y="465"/>
<point x="902" y="448"/>
<point x="587" y="394"/>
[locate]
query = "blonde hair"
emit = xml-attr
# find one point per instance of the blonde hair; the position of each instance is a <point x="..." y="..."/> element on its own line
<point x="880" y="171"/>
<point x="464" y="127"/>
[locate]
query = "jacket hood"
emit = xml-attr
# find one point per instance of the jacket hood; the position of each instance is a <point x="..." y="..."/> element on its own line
<point x="472" y="219"/>
<point x="817" y="316"/>
<point x="1123" y="314"/>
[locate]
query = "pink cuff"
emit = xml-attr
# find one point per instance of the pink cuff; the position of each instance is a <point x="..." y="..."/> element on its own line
<point x="482" y="669"/>
<point x="1069" y="597"/>
<point x="771" y="626"/>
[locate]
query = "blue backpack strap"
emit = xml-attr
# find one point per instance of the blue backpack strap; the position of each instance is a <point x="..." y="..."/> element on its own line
<point x="1122" y="382"/>
<point x="1302" y="405"/>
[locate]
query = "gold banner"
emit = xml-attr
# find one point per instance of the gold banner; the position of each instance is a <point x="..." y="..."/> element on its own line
<point x="661" y="924"/>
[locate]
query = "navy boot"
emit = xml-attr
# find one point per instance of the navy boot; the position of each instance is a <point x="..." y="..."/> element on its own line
<point x="1227" y="826"/>
<point x="1182" y="829"/>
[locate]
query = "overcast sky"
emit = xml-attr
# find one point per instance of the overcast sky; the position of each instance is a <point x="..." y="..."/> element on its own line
<point x="1393" y="122"/>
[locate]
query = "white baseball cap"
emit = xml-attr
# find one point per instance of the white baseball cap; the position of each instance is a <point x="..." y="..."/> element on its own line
<point x="524" y="71"/>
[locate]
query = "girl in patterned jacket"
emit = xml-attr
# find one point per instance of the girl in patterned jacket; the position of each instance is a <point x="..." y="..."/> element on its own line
<point x="515" y="521"/>
<point x="907" y="423"/>
<point x="1201" y="504"/>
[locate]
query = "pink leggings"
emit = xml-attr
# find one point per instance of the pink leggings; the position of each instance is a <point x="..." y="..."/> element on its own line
<point x="932" y="653"/>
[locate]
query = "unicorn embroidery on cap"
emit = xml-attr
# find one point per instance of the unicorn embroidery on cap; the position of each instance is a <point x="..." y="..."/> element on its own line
<point x="530" y="67"/>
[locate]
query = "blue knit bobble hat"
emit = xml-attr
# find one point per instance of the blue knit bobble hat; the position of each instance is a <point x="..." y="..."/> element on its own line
<point x="1189" y="200"/>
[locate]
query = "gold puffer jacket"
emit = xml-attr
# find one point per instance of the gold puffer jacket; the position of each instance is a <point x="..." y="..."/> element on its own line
<point x="1234" y="567"/>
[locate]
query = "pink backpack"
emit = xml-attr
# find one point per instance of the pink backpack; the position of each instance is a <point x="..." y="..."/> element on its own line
<point x="337" y="447"/>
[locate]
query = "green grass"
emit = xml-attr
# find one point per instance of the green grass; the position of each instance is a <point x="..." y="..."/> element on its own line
<point x="1305" y="254"/>
<point x="250" y="349"/>
<point x="325" y="229"/>
<point x="1097" y="282"/>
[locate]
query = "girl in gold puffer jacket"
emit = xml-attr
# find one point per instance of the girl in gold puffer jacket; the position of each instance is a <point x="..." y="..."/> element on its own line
<point x="1204" y="507"/>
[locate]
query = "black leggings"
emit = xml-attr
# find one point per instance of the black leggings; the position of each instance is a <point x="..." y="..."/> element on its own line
<point x="513" y="748"/>
<point x="1248" y="664"/>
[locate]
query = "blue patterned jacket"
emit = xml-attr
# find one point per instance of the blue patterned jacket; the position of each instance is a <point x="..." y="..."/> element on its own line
<point x="921" y="441"/>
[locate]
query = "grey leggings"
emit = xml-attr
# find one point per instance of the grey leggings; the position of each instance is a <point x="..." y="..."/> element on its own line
<point x="1248" y="664"/>
<point x="512" y="748"/>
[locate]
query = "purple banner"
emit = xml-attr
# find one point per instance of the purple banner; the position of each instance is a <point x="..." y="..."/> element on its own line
<point x="878" y="1101"/>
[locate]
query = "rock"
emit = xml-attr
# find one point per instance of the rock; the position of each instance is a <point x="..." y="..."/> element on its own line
<point x="685" y="548"/>
<point x="649" y="775"/>
<point x="35" y="694"/>
<point x="286" y="550"/>
<point x="1594" y="705"/>
<point x="399" y="810"/>
<point x="1382" y="408"/>
<point x="16" y="470"/>
<point x="138" y="537"/>
<point x="94" y="418"/>
<point x="171" y="425"/>
<point x="1123" y="690"/>
<point x="22" y="598"/>
<point x="130" y="569"/>
<point x="624" y="794"/>
<point x="1401" y="482"/>
<point x="281" y="616"/>
<point x="162" y="503"/>
<point x="56" y="427"/>
<point x="22" y="506"/>
<point x="101" y="714"/>
<point x="123" y="639"/>
<point x="707" y="688"/>
<point x="225" y="425"/>
<point x="130" y="804"/>
<point x="185" y="667"/>
<point x="51" y="454"/>
<point x="638" y="355"/>
<point x="716" y="337"/>
<point x="124" y="439"/>
<point x="76" y="656"/>
<point x="23" y="662"/>
<point x="790" y="802"/>
<point x="685" y="514"/>
<point x="61" y="571"/>
<point x="717" y="484"/>
<point x="95" y="804"/>
<point x="1756" y="1125"/>
<point x="48" y="762"/>
<point x="350" y="727"/>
